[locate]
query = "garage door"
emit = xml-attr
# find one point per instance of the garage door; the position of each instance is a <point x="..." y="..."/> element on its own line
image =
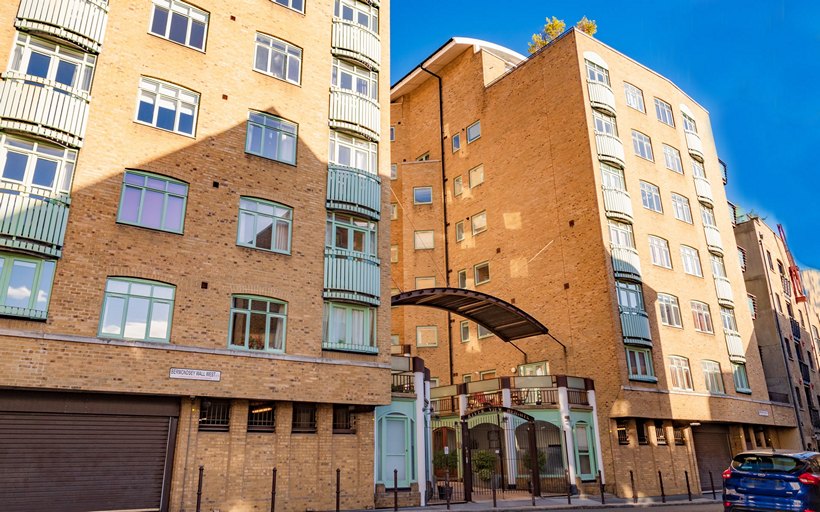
<point x="713" y="453"/>
<point x="75" y="459"/>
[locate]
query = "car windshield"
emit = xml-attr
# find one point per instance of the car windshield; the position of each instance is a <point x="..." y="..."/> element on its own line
<point x="755" y="463"/>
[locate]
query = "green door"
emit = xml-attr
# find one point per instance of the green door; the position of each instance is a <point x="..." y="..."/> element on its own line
<point x="396" y="451"/>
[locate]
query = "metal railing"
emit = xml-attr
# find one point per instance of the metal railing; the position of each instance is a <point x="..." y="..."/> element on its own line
<point x="352" y="276"/>
<point x="626" y="262"/>
<point x="33" y="219"/>
<point x="402" y="383"/>
<point x="534" y="397"/>
<point x="601" y="96"/>
<point x="354" y="112"/>
<point x="81" y="22"/>
<point x="723" y="287"/>
<point x="618" y="204"/>
<point x="357" y="42"/>
<point x="445" y="405"/>
<point x="479" y="400"/>
<point x="354" y="190"/>
<point x="703" y="189"/>
<point x="610" y="149"/>
<point x="577" y="396"/>
<point x="635" y="326"/>
<point x="734" y="344"/>
<point x="713" y="241"/>
<point x="694" y="144"/>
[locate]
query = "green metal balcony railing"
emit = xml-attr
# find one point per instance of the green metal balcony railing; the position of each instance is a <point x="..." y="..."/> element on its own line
<point x="352" y="276"/>
<point x="354" y="190"/>
<point x="635" y="326"/>
<point x="33" y="219"/>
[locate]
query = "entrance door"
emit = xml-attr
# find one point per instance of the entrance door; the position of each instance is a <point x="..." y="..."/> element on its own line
<point x="396" y="450"/>
<point x="713" y="453"/>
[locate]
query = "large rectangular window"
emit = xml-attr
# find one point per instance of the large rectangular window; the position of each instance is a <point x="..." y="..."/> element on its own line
<point x="689" y="124"/>
<point x="354" y="152"/>
<point x="482" y="273"/>
<point x="659" y="251"/>
<point x="179" y="22"/>
<point x="422" y="195"/>
<point x="152" y="201"/>
<point x="670" y="310"/>
<point x="596" y="73"/>
<point x="479" y="222"/>
<point x="136" y="309"/>
<point x="473" y="131"/>
<point x="741" y="378"/>
<point x="350" y="328"/>
<point x="264" y="225"/>
<point x="296" y="5"/>
<point x="671" y="157"/>
<point x="651" y="197"/>
<point x="258" y="323"/>
<point x="214" y="415"/>
<point x="727" y="316"/>
<point x="361" y="13"/>
<point x="680" y="373"/>
<point x="262" y="417"/>
<point x="604" y="123"/>
<point x="352" y="234"/>
<point x="634" y="97"/>
<point x="464" y="328"/>
<point x="355" y="78"/>
<point x="271" y="137"/>
<point x="25" y="286"/>
<point x="712" y="377"/>
<point x="426" y="336"/>
<point x="680" y="205"/>
<point x="664" y="112"/>
<point x="642" y="145"/>
<point x="278" y="58"/>
<point x="304" y="418"/>
<point x="476" y="176"/>
<point x="702" y="317"/>
<point x="423" y="240"/>
<point x="167" y="106"/>
<point x="640" y="364"/>
<point x="691" y="261"/>
<point x="37" y="165"/>
<point x="620" y="234"/>
<point x="59" y="66"/>
<point x="458" y="186"/>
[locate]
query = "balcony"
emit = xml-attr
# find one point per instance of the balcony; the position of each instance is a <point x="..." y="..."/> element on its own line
<point x="352" y="276"/>
<point x="703" y="189"/>
<point x="735" y="347"/>
<point x="723" y="287"/>
<point x="356" y="42"/>
<point x="635" y="326"/>
<point x="618" y="204"/>
<point x="601" y="97"/>
<point x="81" y="22"/>
<point x="354" y="191"/>
<point x="445" y="406"/>
<point x="610" y="149"/>
<point x="33" y="220"/>
<point x="481" y="400"/>
<point x="695" y="145"/>
<point x="42" y="108"/>
<point x="403" y="383"/>
<point x="354" y="112"/>
<point x="625" y="262"/>
<point x="713" y="241"/>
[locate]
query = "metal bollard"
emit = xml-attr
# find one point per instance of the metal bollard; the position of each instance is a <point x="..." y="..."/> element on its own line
<point x="711" y="481"/>
<point x="338" y="487"/>
<point x="199" y="490"/>
<point x="663" y="494"/>
<point x="688" y="489"/>
<point x="492" y="484"/>
<point x="532" y="492"/>
<point x="395" y="489"/>
<point x="634" y="494"/>
<point x="447" y="491"/>
<point x="601" y="486"/>
<point x="569" y="487"/>
<point x="273" y="492"/>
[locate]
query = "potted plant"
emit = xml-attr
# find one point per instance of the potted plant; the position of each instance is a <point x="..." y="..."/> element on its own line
<point x="484" y="465"/>
<point x="444" y="461"/>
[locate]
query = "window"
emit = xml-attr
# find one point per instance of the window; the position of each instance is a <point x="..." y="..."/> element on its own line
<point x="392" y="134"/>
<point x="660" y="433"/>
<point x="651" y="197"/>
<point x="691" y="260"/>
<point x="360" y="13"/>
<point x="394" y="171"/>
<point x="351" y="234"/>
<point x="394" y="211"/>
<point x="423" y="195"/>
<point x="355" y="78"/>
<point x="349" y="328"/>
<point x="36" y="164"/>
<point x="476" y="176"/>
<point x="697" y="170"/>
<point x="354" y="152"/>
<point x="465" y="331"/>
<point x="167" y="106"/>
<point x="670" y="310"/>
<point x="271" y="137"/>
<point x="622" y="427"/>
<point x="304" y="418"/>
<point x="612" y="177"/>
<point x="634" y="97"/>
<point x="135" y="309"/>
<point x="25" y="285"/>
<point x="533" y="369"/>
<point x="642" y="145"/>
<point x="671" y="157"/>
<point x="712" y="377"/>
<point x="458" y="187"/>
<point x="466" y="378"/>
<point x="479" y="223"/>
<point x="680" y="205"/>
<point x="643" y="432"/>
<point x="640" y="364"/>
<point x="604" y="123"/>
<point x="342" y="419"/>
<point x="741" y="256"/>
<point x="777" y="302"/>
<point x="620" y="234"/>
<point x="718" y="268"/>
<point x="456" y="142"/>
<point x="680" y="440"/>
<point x="462" y="278"/>
<point x="426" y="336"/>
<point x="486" y="375"/>
<point x="702" y="317"/>
<point x="629" y="295"/>
<point x="264" y="225"/>
<point x="434" y="382"/>
<point x="152" y="201"/>
<point x="664" y="112"/>
<point x="482" y="273"/>
<point x="681" y="375"/>
<point x="422" y="240"/>
<point x="258" y="323"/>
<point x="262" y="417"/>
<point x="659" y="251"/>
<point x="751" y="300"/>
<point x="483" y="332"/>
<point x="740" y="378"/>
<point x="769" y="259"/>
<point x="179" y="22"/>
<point x="727" y="316"/>
<point x="459" y="231"/>
<point x="214" y="415"/>
<point x="423" y="158"/>
<point x="425" y="282"/>
<point x="708" y="216"/>
<point x="394" y="254"/>
<point x="689" y="124"/>
<point x="596" y="73"/>
<point x="278" y="58"/>
<point x="473" y="131"/>
<point x="296" y="5"/>
<point x="59" y="66"/>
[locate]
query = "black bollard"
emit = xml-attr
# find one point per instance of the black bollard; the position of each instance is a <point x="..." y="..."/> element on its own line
<point x="492" y="484"/>
<point x="634" y="494"/>
<point x="711" y="481"/>
<point x="663" y="494"/>
<point x="601" y="486"/>
<point x="395" y="489"/>
<point x="688" y="489"/>
<point x="273" y="492"/>
<point x="338" y="487"/>
<point x="199" y="490"/>
<point x="569" y="487"/>
<point x="447" y="491"/>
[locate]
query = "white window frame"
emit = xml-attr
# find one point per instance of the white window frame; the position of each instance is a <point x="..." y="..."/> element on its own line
<point x="727" y="317"/>
<point x="630" y="295"/>
<point x="741" y="256"/>
<point x="464" y="330"/>
<point x="476" y="267"/>
<point x="354" y="152"/>
<point x="421" y="329"/>
<point x="418" y="190"/>
<point x="663" y="110"/>
<point x="394" y="211"/>
<point x="612" y="177"/>
<point x="289" y="54"/>
<point x="659" y="252"/>
<point x="352" y="11"/>
<point x="620" y="234"/>
<point x="604" y="124"/>
<point x="671" y="157"/>
<point x="161" y="91"/>
<point x="472" y="134"/>
<point x="691" y="261"/>
<point x="295" y="5"/>
<point x="669" y="310"/>
<point x="681" y="374"/>
<point x="418" y="241"/>
<point x="456" y="140"/>
<point x="394" y="253"/>
<point x="718" y="267"/>
<point x="751" y="301"/>
<point x="651" y="197"/>
<point x="682" y="208"/>
<point x="642" y="145"/>
<point x="707" y="215"/>
<point x="597" y="73"/>
<point x="26" y="44"/>
<point x="458" y="186"/>
<point x="689" y="124"/>
<point x="35" y="152"/>
<point x="634" y="97"/>
<point x="394" y="171"/>
<point x="702" y="317"/>
<point x="478" y="222"/>
<point x="459" y="231"/>
<point x="482" y="332"/>
<point x="186" y="10"/>
<point x="359" y="75"/>
<point x="713" y="378"/>
<point x="698" y="170"/>
<point x="461" y="277"/>
<point x="476" y="176"/>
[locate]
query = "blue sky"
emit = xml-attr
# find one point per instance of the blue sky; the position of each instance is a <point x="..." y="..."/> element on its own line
<point x="755" y="65"/>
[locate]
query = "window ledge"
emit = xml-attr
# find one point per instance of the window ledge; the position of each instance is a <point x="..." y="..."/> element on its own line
<point x="643" y="379"/>
<point x="343" y="347"/>
<point x="27" y="313"/>
<point x="745" y="391"/>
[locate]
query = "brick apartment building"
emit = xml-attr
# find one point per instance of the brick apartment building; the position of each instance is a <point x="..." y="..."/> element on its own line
<point x="190" y="241"/>
<point x="585" y="189"/>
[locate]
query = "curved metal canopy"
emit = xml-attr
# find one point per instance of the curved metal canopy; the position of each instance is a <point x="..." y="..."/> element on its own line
<point x="502" y="318"/>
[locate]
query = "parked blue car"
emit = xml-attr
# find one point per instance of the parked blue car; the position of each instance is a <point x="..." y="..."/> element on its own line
<point x="773" y="481"/>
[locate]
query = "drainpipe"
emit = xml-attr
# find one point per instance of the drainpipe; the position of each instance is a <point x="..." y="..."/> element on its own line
<point x="780" y="339"/>
<point x="444" y="211"/>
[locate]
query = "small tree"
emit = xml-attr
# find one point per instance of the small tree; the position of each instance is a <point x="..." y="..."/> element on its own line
<point x="586" y="25"/>
<point x="552" y="29"/>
